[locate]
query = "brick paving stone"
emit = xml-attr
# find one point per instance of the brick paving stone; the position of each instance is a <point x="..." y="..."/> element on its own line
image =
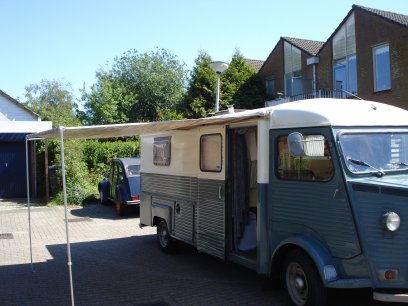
<point x="114" y="263"/>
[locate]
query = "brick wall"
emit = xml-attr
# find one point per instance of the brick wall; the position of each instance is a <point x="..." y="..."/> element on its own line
<point x="324" y="70"/>
<point x="372" y="30"/>
<point x="274" y="68"/>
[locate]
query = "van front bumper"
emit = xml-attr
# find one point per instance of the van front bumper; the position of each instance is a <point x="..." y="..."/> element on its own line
<point x="390" y="297"/>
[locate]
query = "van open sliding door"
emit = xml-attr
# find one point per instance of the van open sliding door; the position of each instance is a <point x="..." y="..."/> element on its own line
<point x="211" y="193"/>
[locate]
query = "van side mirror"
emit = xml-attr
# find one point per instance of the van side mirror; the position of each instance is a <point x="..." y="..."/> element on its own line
<point x="296" y="144"/>
<point x="311" y="145"/>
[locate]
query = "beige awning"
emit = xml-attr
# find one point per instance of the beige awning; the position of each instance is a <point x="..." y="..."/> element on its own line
<point x="132" y="129"/>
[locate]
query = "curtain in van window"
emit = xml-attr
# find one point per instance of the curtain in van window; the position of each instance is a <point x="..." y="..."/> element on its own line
<point x="240" y="186"/>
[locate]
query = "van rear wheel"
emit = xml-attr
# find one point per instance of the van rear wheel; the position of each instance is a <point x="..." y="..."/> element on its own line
<point x="302" y="281"/>
<point x="167" y="243"/>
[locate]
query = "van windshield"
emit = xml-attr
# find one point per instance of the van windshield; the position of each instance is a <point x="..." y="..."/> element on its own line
<point x="375" y="152"/>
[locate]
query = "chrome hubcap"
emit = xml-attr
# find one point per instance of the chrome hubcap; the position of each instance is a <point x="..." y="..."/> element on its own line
<point x="296" y="284"/>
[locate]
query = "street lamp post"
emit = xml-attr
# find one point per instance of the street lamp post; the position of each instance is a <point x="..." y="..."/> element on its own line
<point x="218" y="67"/>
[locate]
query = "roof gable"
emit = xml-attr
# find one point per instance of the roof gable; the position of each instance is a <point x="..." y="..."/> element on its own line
<point x="24" y="112"/>
<point x="399" y="19"/>
<point x="309" y="46"/>
<point x="312" y="47"/>
<point x="256" y="64"/>
<point x="390" y="16"/>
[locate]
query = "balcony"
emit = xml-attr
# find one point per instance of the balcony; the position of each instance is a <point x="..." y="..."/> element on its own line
<point x="336" y="94"/>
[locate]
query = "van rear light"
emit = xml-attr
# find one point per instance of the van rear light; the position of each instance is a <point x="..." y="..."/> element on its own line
<point x="135" y="198"/>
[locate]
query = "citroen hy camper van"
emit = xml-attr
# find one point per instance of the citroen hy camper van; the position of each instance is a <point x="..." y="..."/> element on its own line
<point x="312" y="193"/>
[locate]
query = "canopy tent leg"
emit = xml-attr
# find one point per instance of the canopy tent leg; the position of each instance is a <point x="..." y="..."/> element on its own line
<point x="29" y="206"/>
<point x="69" y="263"/>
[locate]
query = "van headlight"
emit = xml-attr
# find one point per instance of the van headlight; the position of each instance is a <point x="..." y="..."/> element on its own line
<point x="391" y="221"/>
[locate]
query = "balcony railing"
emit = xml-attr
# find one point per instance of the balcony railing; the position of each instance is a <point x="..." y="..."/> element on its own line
<point x="336" y="94"/>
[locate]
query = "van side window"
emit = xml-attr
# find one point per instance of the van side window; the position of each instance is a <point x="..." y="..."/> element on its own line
<point x="211" y="153"/>
<point x="162" y="151"/>
<point x="303" y="168"/>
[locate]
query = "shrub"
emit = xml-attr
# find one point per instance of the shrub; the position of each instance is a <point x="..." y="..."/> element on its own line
<point x="85" y="163"/>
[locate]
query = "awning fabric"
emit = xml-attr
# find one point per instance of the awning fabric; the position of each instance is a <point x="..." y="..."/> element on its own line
<point x="132" y="129"/>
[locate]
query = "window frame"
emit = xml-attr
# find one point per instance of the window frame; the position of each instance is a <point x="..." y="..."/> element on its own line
<point x="221" y="148"/>
<point x="374" y="49"/>
<point x="277" y="158"/>
<point x="156" y="141"/>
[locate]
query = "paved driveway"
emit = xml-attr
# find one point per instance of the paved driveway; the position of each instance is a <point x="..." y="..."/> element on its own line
<point x="116" y="263"/>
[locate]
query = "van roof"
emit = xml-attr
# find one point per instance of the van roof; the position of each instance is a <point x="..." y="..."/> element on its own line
<point x="304" y="113"/>
<point x="336" y="112"/>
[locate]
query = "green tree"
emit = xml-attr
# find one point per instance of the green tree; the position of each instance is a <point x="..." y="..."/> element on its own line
<point x="199" y="100"/>
<point x="52" y="101"/>
<point x="240" y="86"/>
<point x="138" y="87"/>
<point x="243" y="87"/>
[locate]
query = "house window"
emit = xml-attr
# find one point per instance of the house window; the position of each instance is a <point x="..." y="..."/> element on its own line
<point x="382" y="72"/>
<point x="270" y="88"/>
<point x="318" y="167"/>
<point x="293" y="66"/>
<point x="162" y="151"/>
<point x="211" y="153"/>
<point x="345" y="60"/>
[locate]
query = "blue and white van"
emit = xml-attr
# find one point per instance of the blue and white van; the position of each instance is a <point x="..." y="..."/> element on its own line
<point x="312" y="193"/>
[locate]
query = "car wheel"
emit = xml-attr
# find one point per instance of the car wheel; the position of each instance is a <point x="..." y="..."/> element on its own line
<point x="119" y="207"/>
<point x="302" y="281"/>
<point x="167" y="243"/>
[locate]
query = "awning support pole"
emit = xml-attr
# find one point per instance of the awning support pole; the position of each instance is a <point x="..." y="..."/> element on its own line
<point x="29" y="206"/>
<point x="64" y="187"/>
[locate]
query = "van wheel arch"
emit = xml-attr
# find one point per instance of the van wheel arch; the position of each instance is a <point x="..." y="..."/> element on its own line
<point x="279" y="264"/>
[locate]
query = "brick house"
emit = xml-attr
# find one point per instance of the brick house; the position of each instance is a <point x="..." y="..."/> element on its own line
<point x="286" y="71"/>
<point x="367" y="55"/>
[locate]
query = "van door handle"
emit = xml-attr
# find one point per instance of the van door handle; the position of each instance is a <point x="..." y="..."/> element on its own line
<point x="219" y="192"/>
<point x="337" y="191"/>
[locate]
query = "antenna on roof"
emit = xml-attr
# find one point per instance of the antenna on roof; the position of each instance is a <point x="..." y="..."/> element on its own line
<point x="351" y="94"/>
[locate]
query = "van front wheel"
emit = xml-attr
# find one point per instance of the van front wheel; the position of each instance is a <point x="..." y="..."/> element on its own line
<point x="302" y="281"/>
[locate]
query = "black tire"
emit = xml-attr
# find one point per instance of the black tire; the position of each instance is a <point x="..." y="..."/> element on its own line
<point x="166" y="242"/>
<point x="302" y="281"/>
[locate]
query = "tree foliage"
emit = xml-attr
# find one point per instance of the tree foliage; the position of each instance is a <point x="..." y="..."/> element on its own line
<point x="240" y="86"/>
<point x="52" y="101"/>
<point x="138" y="87"/>
<point x="199" y="100"/>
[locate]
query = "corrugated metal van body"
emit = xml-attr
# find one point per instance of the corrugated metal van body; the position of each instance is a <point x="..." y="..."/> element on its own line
<point x="180" y="194"/>
<point x="320" y="210"/>
<point x="211" y="217"/>
<point x="371" y="198"/>
<point x="198" y="208"/>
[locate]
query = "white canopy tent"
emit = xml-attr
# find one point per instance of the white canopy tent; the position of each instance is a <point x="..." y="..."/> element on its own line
<point x="119" y="130"/>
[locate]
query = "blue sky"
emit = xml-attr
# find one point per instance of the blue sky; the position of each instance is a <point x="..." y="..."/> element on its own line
<point x="69" y="40"/>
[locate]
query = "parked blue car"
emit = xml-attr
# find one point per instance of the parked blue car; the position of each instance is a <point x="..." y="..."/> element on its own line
<point x="122" y="185"/>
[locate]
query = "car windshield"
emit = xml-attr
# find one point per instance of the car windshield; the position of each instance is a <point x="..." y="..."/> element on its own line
<point x="375" y="152"/>
<point x="133" y="170"/>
